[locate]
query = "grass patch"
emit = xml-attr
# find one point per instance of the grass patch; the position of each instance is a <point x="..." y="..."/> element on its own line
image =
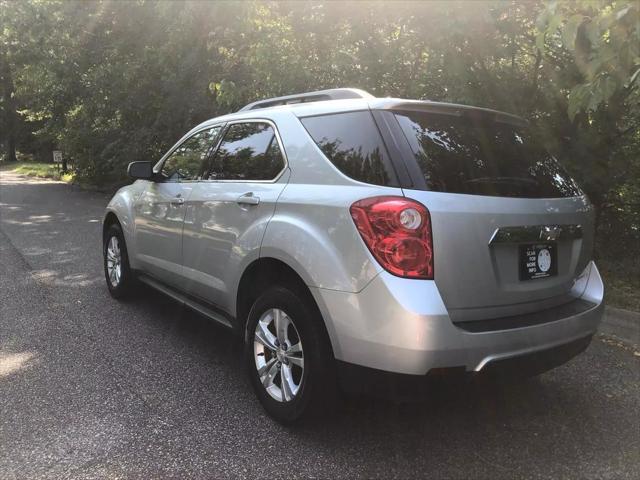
<point x="39" y="170"/>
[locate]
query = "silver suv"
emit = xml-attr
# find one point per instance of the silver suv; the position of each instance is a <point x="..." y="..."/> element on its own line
<point x="346" y="237"/>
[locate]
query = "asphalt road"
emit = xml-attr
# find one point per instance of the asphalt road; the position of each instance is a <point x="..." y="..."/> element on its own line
<point x="94" y="388"/>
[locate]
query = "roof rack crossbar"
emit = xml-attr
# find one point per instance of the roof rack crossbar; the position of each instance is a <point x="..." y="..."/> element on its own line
<point x="320" y="95"/>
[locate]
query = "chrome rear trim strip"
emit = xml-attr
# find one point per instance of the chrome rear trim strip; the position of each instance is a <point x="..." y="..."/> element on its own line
<point x="535" y="233"/>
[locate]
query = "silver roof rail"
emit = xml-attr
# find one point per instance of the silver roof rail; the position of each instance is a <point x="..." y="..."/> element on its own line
<point x="320" y="95"/>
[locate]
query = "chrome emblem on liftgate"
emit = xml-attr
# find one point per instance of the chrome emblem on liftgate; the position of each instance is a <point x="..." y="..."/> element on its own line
<point x="550" y="233"/>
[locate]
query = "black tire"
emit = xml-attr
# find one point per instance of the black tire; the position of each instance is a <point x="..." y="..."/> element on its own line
<point x="125" y="285"/>
<point x="317" y="393"/>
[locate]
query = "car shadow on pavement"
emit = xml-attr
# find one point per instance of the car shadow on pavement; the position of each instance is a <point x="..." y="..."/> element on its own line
<point x="450" y="400"/>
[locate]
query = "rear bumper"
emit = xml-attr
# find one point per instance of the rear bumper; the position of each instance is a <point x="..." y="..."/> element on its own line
<point x="402" y="326"/>
<point x="359" y="379"/>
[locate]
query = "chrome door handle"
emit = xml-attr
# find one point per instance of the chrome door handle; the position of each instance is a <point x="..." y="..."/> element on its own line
<point x="177" y="200"/>
<point x="248" y="199"/>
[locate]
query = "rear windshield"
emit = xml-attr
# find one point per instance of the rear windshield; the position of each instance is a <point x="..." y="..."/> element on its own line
<point x="481" y="156"/>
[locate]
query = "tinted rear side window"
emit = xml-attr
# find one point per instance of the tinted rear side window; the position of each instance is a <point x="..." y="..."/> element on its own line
<point x="352" y="142"/>
<point x="249" y="151"/>
<point x="481" y="156"/>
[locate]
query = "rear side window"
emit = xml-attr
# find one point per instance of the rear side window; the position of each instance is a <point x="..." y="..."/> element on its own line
<point x="351" y="141"/>
<point x="248" y="151"/>
<point x="481" y="156"/>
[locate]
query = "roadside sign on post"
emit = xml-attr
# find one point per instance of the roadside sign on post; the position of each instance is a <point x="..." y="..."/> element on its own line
<point x="57" y="156"/>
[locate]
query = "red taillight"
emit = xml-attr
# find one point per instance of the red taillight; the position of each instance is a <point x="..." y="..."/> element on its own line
<point x="397" y="230"/>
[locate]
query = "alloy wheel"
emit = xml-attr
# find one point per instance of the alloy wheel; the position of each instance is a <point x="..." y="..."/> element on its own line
<point x="278" y="355"/>
<point x="114" y="261"/>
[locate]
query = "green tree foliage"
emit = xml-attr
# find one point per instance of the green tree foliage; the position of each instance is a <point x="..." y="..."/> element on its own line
<point x="595" y="48"/>
<point x="113" y="82"/>
<point x="25" y="33"/>
<point x="604" y="39"/>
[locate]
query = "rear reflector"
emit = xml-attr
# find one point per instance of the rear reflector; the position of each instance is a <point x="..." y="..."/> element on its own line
<point x="397" y="231"/>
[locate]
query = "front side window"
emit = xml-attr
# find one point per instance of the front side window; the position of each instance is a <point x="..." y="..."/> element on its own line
<point x="188" y="161"/>
<point x="479" y="155"/>
<point x="352" y="142"/>
<point x="248" y="151"/>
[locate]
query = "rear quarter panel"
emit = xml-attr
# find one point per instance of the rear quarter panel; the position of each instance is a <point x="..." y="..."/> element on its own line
<point x="312" y="230"/>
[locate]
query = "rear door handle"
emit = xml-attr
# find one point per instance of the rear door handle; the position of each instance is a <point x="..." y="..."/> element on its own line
<point x="177" y="200"/>
<point x="248" y="199"/>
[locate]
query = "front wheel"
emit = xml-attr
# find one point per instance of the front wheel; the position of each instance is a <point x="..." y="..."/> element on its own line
<point x="288" y="356"/>
<point x="116" y="263"/>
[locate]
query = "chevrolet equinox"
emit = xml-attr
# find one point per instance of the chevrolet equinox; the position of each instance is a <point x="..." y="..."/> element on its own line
<point x="339" y="233"/>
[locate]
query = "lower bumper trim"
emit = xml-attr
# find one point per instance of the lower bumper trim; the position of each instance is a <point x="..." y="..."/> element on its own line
<point x="358" y="379"/>
<point x="535" y="363"/>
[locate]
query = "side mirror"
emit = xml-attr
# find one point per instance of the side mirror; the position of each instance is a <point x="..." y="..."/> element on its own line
<point x="142" y="170"/>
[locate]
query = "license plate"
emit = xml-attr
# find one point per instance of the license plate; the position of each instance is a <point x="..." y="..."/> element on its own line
<point x="538" y="260"/>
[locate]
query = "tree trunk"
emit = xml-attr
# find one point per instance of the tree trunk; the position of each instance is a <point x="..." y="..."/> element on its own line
<point x="8" y="89"/>
<point x="11" y="147"/>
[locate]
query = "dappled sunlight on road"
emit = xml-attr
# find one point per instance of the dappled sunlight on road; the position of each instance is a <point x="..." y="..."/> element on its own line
<point x="37" y="215"/>
<point x="40" y="219"/>
<point x="11" y="363"/>
<point x="8" y="206"/>
<point x="10" y="178"/>
<point x="55" y="278"/>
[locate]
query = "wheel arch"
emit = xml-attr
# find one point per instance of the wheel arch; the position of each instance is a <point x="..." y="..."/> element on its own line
<point x="264" y="272"/>
<point x="110" y="218"/>
<point x="120" y="211"/>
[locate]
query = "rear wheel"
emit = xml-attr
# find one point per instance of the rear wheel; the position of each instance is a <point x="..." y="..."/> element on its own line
<point x="288" y="356"/>
<point x="116" y="263"/>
